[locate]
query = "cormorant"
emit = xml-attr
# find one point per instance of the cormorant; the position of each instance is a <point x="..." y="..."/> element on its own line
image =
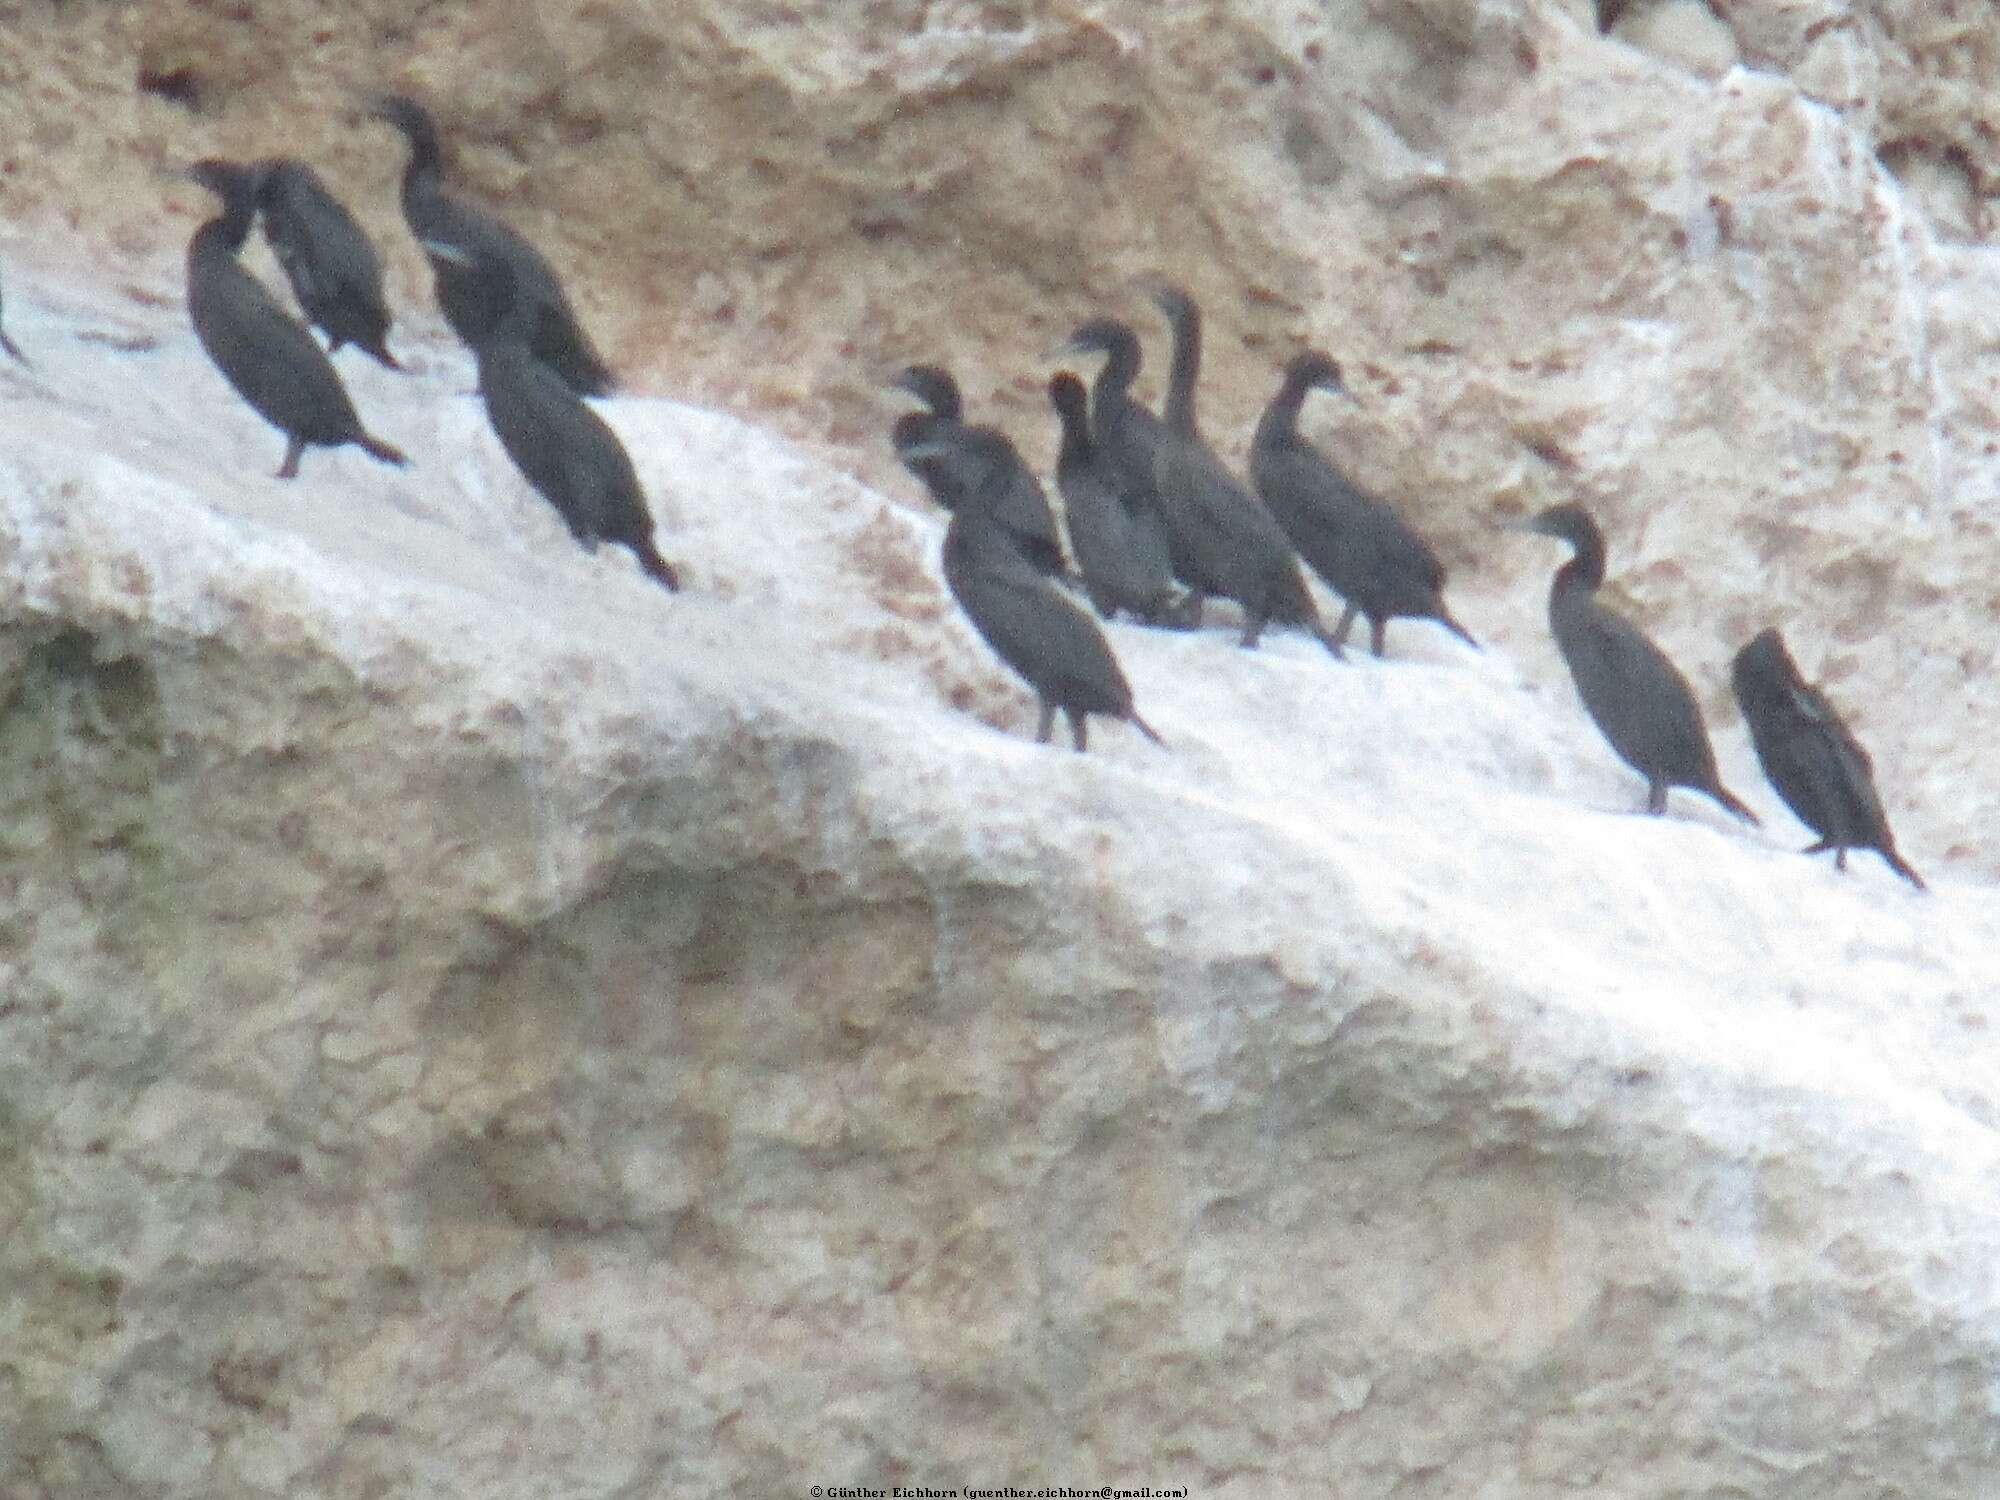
<point x="1637" y="697"/>
<point x="11" y="347"/>
<point x="1361" y="547"/>
<point x="1221" y="538"/>
<point x="268" y="355"/>
<point x="332" y="266"/>
<point x="563" y="448"/>
<point x="438" y="219"/>
<point x="1127" y="438"/>
<point x="1030" y="624"/>
<point x="1018" y="505"/>
<point x="1123" y="560"/>
<point x="1811" y="757"/>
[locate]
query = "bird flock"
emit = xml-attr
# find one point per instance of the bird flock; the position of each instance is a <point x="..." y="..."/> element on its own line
<point x="1157" y="522"/>
<point x="496" y="291"/>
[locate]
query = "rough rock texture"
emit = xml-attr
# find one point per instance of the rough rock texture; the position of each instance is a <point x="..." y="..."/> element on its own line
<point x="471" y="1025"/>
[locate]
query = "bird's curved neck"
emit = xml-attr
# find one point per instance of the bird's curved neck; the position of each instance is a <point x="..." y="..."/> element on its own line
<point x="1583" y="573"/>
<point x="1180" y="413"/>
<point x="1280" y="422"/>
<point x="426" y="165"/>
<point x="1121" y="368"/>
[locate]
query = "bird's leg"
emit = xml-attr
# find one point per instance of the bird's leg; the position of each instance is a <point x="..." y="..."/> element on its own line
<point x="1376" y="630"/>
<point x="1253" y="627"/>
<point x="1840" y="857"/>
<point x="1656" y="797"/>
<point x="1346" y="624"/>
<point x="1077" y="732"/>
<point x="1046" y="730"/>
<point x="294" y="446"/>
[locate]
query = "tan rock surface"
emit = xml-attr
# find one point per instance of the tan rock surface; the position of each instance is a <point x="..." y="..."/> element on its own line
<point x="473" y="1027"/>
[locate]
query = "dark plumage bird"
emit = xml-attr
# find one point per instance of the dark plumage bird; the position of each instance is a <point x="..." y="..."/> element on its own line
<point x="438" y="219"/>
<point x="11" y="347"/>
<point x="563" y="448"/>
<point x="328" y="258"/>
<point x="1222" y="539"/>
<point x="1361" y="547"/>
<point x="1811" y="756"/>
<point x="1017" y="504"/>
<point x="1126" y="434"/>
<point x="1637" y="697"/>
<point x="1029" y="622"/>
<point x="1123" y="559"/>
<point x="268" y="355"/>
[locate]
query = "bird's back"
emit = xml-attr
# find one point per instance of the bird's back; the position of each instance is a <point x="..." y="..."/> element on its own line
<point x="1637" y="697"/>
<point x="326" y="255"/>
<point x="567" y="452"/>
<point x="1815" y="762"/>
<point x="1028" y="622"/>
<point x="1355" y="540"/>
<point x="267" y="354"/>
<point x="1123" y="558"/>
<point x="553" y="331"/>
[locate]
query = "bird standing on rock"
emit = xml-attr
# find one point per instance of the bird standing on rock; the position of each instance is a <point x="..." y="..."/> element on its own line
<point x="440" y="222"/>
<point x="1222" y="539"/>
<point x="1029" y="622"/>
<point x="1018" y="506"/>
<point x="328" y="258"/>
<point x="1637" y="697"/>
<point x="1811" y="756"/>
<point x="563" y="448"/>
<point x="268" y="355"/>
<point x="1123" y="561"/>
<point x="1362" y="548"/>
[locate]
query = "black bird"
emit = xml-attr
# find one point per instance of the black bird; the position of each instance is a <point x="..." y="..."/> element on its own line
<point x="1222" y="539"/>
<point x="563" y="448"/>
<point x="1638" y="698"/>
<point x="1361" y="547"/>
<point x="328" y="258"/>
<point x="1123" y="558"/>
<point x="439" y="220"/>
<point x="11" y="347"/>
<point x="1018" y="505"/>
<point x="268" y="355"/>
<point x="1030" y="624"/>
<point x="1127" y="435"/>
<point x="1811" y="756"/>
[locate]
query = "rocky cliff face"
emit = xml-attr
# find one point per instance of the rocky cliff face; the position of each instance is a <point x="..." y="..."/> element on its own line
<point x="472" y="1025"/>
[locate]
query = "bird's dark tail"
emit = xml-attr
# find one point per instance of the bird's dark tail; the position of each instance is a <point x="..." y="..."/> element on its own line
<point x="1445" y="619"/>
<point x="1897" y="863"/>
<point x="376" y="448"/>
<point x="655" y="565"/>
<point x="1730" y="800"/>
<point x="1146" y="729"/>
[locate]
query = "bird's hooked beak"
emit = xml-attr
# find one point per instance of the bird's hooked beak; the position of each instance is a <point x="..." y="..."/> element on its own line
<point x="458" y="255"/>
<point x="925" y="448"/>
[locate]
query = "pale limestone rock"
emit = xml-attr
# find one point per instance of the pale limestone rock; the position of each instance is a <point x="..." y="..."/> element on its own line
<point x="1686" y="32"/>
<point x="471" y="1025"/>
